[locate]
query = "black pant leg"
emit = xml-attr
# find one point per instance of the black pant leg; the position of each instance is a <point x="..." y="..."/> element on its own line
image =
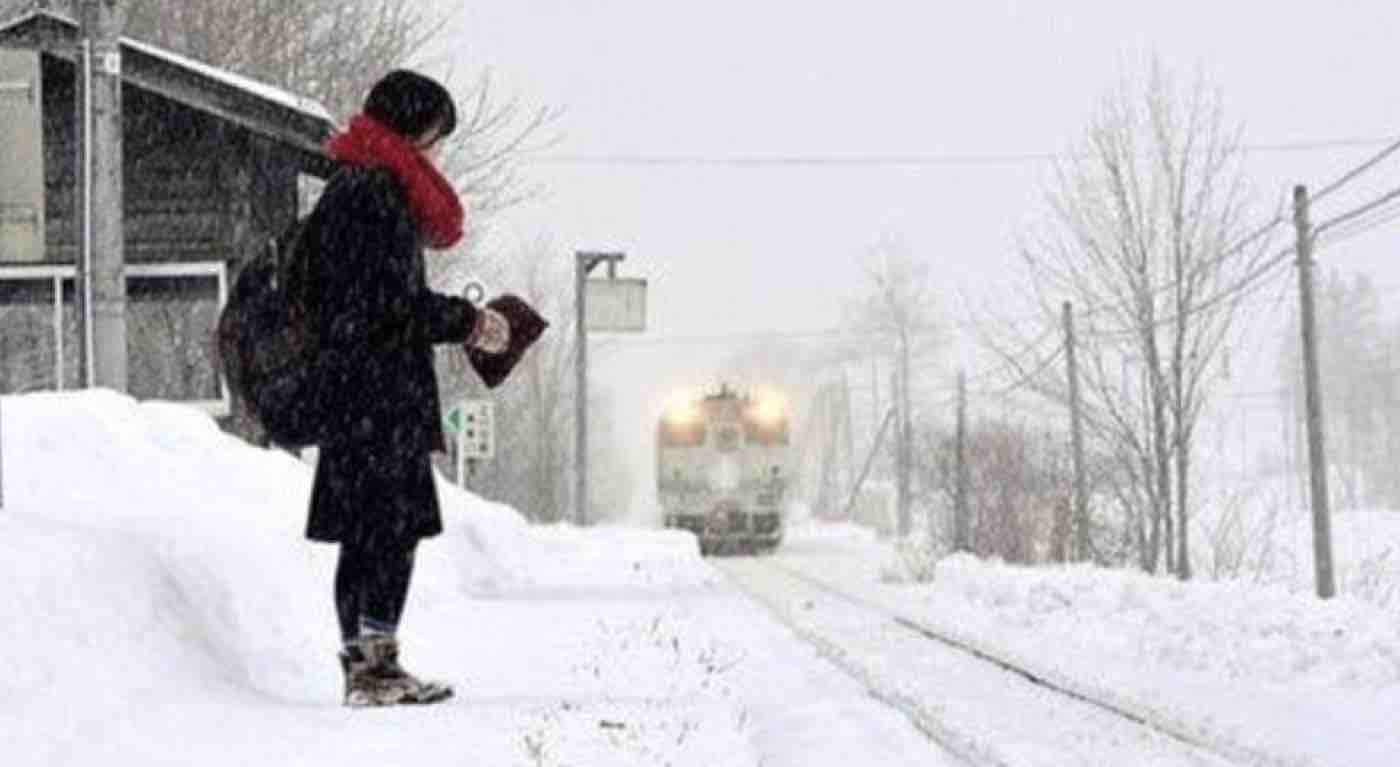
<point x="371" y="581"/>
<point x="350" y="571"/>
<point x="407" y="562"/>
<point x="387" y="589"/>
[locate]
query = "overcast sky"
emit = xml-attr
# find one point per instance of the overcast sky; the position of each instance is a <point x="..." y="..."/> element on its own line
<point x="779" y="245"/>
<point x="741" y="249"/>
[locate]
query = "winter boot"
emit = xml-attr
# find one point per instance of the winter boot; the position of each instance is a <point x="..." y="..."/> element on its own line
<point x="373" y="676"/>
<point x="362" y="686"/>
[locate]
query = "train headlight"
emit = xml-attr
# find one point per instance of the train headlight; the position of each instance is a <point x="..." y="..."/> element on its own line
<point x="681" y="410"/>
<point x="770" y="409"/>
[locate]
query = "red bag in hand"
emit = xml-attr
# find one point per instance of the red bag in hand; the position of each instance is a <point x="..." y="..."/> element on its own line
<point x="526" y="327"/>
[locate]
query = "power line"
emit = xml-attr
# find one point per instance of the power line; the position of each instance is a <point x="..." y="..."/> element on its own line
<point x="797" y="160"/>
<point x="1025" y="379"/>
<point x="819" y="334"/>
<point x="1358" y="211"/>
<point x="774" y="335"/>
<point x="1359" y="227"/>
<point x="1246" y="284"/>
<point x="1347" y="177"/>
<point x="891" y="160"/>
<point x="1243" y="285"/>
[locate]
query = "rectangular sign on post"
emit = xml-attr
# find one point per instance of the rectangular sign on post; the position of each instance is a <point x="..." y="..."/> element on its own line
<point x="473" y="422"/>
<point x="478" y="429"/>
<point x="616" y="305"/>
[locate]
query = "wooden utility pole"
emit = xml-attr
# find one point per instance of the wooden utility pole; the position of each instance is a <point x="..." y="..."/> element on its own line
<point x="849" y="469"/>
<point x="102" y="265"/>
<point x="906" y="441"/>
<point x="1076" y="441"/>
<point x="896" y="453"/>
<point x="960" y="515"/>
<point x="874" y="395"/>
<point x="1317" y="445"/>
<point x="826" y="495"/>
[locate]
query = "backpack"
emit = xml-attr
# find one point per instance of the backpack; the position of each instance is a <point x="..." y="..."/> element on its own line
<point x="267" y="342"/>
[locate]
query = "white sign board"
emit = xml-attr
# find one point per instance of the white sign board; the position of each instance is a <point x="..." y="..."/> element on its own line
<point x="473" y="421"/>
<point x="616" y="305"/>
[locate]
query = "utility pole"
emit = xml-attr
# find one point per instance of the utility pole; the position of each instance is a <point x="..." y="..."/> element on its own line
<point x="103" y="259"/>
<point x="900" y="505"/>
<point x="1076" y="439"/>
<point x="960" y="515"/>
<point x="850" y="438"/>
<point x="874" y="395"/>
<point x="822" y="415"/>
<point x="906" y="440"/>
<point x="1317" y="445"/>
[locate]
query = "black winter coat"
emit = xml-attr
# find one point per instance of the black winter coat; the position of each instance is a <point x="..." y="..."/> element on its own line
<point x="377" y="320"/>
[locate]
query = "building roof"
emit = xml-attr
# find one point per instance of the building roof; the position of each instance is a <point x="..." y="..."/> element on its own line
<point x="309" y="107"/>
<point x="262" y="108"/>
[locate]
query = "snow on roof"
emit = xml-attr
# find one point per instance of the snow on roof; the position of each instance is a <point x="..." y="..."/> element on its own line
<point x="262" y="90"/>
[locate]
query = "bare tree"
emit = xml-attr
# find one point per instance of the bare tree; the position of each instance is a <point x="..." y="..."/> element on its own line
<point x="894" y="315"/>
<point x="1146" y="234"/>
<point x="1015" y="483"/>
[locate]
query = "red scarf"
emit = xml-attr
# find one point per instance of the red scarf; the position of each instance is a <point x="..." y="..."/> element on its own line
<point x="433" y="201"/>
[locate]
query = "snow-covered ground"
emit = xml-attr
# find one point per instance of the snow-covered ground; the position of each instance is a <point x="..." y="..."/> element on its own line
<point x="162" y="607"/>
<point x="1263" y="670"/>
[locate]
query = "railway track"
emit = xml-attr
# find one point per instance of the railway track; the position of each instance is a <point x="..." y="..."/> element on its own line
<point x="984" y="709"/>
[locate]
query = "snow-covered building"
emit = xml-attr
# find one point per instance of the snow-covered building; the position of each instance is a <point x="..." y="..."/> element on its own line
<point x="211" y="166"/>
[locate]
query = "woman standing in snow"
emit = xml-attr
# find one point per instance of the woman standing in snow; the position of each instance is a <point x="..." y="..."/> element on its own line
<point x="377" y="320"/>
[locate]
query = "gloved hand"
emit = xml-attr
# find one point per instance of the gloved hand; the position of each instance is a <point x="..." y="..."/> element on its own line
<point x="526" y="326"/>
<point x="491" y="333"/>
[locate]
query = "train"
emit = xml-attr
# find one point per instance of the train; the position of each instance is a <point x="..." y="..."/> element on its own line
<point x="724" y="467"/>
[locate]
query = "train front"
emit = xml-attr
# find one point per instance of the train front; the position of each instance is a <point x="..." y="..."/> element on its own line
<point x="723" y="469"/>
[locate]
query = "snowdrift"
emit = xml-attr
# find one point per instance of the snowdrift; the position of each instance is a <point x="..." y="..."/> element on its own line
<point x="140" y="532"/>
<point x="165" y="608"/>
<point x="1252" y="666"/>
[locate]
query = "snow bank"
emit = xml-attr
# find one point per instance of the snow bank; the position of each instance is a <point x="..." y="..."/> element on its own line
<point x="1261" y="532"/>
<point x="140" y="530"/>
<point x="1255" y="666"/>
<point x="1365" y="550"/>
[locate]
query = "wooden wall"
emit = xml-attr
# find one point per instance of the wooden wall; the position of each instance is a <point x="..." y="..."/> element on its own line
<point x="197" y="188"/>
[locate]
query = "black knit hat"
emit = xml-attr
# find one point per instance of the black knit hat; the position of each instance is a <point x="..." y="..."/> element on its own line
<point x="411" y="103"/>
